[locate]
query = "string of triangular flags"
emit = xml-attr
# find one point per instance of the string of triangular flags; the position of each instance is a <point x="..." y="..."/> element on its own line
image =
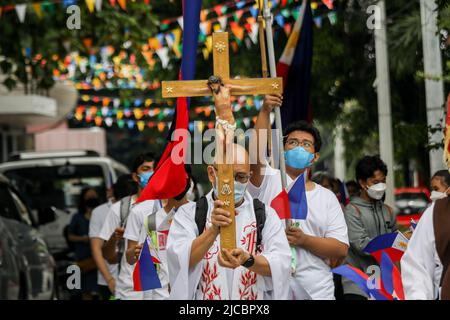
<point x="142" y="113"/>
<point x="49" y="6"/>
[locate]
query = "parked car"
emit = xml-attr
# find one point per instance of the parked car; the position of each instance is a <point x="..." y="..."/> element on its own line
<point x="410" y="204"/>
<point x="27" y="268"/>
<point x="51" y="182"/>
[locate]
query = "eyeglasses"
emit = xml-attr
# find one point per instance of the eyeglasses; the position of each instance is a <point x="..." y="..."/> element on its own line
<point x="239" y="176"/>
<point x="292" y="142"/>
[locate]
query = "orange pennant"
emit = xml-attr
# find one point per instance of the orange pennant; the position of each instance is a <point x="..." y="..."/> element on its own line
<point x="123" y="4"/>
<point x="37" y="9"/>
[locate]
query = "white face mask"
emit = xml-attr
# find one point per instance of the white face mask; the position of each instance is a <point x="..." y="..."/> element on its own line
<point x="377" y="191"/>
<point x="436" y="195"/>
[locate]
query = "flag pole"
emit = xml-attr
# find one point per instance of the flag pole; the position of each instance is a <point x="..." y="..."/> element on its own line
<point x="265" y="74"/>
<point x="273" y="73"/>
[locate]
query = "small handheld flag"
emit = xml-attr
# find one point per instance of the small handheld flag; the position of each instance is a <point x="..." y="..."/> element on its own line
<point x="145" y="276"/>
<point x="413" y="225"/>
<point x="391" y="278"/>
<point x="362" y="280"/>
<point x="394" y="244"/>
<point x="292" y="204"/>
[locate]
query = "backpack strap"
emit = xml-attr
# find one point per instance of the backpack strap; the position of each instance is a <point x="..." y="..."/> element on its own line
<point x="201" y="211"/>
<point x="124" y="210"/>
<point x="260" y="215"/>
<point x="356" y="208"/>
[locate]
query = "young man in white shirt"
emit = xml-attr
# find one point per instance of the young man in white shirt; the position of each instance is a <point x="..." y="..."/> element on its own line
<point x="150" y="218"/>
<point x="114" y="227"/>
<point x="107" y="273"/>
<point x="321" y="240"/>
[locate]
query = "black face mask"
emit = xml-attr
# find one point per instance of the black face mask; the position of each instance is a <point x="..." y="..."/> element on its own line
<point x="92" y="203"/>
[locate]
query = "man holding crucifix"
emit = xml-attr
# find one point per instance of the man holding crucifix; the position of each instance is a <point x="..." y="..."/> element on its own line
<point x="227" y="245"/>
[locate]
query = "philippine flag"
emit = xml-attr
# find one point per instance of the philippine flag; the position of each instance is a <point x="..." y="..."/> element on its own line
<point x="145" y="276"/>
<point x="373" y="290"/>
<point x="413" y="225"/>
<point x="295" y="67"/>
<point x="394" y="244"/>
<point x="292" y="204"/>
<point x="391" y="278"/>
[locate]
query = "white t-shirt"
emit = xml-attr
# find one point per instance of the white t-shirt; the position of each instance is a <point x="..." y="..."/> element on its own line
<point x="313" y="278"/>
<point x="124" y="286"/>
<point x="136" y="231"/>
<point x="98" y="217"/>
<point x="421" y="265"/>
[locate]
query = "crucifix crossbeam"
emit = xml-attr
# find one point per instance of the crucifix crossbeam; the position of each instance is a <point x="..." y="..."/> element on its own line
<point x="221" y="60"/>
<point x="197" y="88"/>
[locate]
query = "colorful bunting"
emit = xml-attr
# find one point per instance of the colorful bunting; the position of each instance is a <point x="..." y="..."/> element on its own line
<point x="21" y="11"/>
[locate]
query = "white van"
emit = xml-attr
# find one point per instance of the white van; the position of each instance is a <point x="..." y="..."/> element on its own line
<point x="51" y="182"/>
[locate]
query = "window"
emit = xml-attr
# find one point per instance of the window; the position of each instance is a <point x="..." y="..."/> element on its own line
<point x="22" y="209"/>
<point x="56" y="186"/>
<point x="8" y="209"/>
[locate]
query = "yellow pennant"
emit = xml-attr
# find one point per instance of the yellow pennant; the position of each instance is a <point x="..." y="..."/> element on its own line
<point x="90" y="4"/>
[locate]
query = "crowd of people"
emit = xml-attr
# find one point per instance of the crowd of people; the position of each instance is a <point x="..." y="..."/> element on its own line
<point x="270" y="261"/>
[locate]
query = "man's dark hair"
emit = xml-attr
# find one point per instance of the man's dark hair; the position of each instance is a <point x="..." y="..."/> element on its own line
<point x="140" y="159"/>
<point x="366" y="167"/>
<point x="124" y="186"/>
<point x="188" y="183"/>
<point x="306" y="127"/>
<point x="444" y="174"/>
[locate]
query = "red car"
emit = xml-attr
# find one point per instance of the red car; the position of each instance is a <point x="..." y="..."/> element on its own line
<point x="410" y="204"/>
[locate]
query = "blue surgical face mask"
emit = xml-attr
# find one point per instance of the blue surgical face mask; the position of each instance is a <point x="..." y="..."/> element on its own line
<point x="144" y="177"/>
<point x="239" y="190"/>
<point x="298" y="158"/>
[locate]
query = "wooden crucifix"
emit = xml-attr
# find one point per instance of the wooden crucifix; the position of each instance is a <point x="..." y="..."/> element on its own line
<point x="225" y="122"/>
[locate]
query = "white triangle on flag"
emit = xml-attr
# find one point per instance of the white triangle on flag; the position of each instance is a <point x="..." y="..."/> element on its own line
<point x="21" y="10"/>
<point x="98" y="5"/>
<point x="203" y="26"/>
<point x="254" y="34"/>
<point x="169" y="40"/>
<point x="163" y="54"/>
<point x="223" y="22"/>
<point x="400" y="242"/>
<point x="180" y="22"/>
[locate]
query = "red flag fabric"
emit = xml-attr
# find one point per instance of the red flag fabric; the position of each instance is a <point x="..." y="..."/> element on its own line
<point x="169" y="177"/>
<point x="281" y="205"/>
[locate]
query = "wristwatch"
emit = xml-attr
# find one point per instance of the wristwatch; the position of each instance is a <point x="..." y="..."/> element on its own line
<point x="250" y="262"/>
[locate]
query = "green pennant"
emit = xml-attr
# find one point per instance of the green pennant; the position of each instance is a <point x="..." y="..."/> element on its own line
<point x="224" y="9"/>
<point x="160" y="116"/>
<point x="201" y="37"/>
<point x="285" y="13"/>
<point x="295" y="14"/>
<point x="120" y="123"/>
<point x="126" y="103"/>
<point x="48" y="6"/>
<point x="164" y="27"/>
